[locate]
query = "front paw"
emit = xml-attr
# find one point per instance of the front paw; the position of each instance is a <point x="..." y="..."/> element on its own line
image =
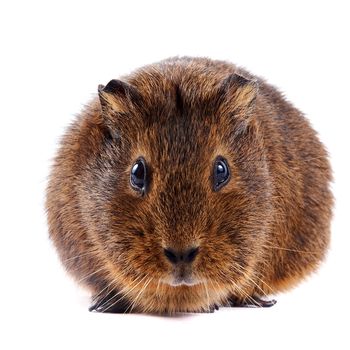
<point x="113" y="302"/>
<point x="252" y="301"/>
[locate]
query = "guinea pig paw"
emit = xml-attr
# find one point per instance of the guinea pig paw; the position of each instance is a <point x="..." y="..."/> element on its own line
<point x="212" y="308"/>
<point x="209" y="309"/>
<point x="253" y="301"/>
<point x="111" y="303"/>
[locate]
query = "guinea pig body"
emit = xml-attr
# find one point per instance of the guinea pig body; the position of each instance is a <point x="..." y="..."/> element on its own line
<point x="187" y="185"/>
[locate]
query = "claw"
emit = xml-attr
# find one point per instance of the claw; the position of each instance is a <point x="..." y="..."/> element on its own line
<point x="251" y="302"/>
<point x="213" y="308"/>
<point x="110" y="304"/>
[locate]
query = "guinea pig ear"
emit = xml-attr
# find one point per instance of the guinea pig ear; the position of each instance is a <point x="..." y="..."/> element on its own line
<point x="117" y="96"/>
<point x="238" y="93"/>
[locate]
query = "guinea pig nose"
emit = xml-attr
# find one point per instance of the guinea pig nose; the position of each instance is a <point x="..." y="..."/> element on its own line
<point x="186" y="256"/>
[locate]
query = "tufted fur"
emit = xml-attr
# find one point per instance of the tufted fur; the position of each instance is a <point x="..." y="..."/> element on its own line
<point x="261" y="233"/>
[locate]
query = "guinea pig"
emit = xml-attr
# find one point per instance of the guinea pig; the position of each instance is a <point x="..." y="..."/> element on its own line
<point x="188" y="185"/>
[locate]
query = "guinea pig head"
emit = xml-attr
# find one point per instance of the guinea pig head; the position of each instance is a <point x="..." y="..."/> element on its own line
<point x="179" y="192"/>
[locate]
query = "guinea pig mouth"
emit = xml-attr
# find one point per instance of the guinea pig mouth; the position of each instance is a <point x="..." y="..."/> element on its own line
<point x="181" y="276"/>
<point x="184" y="281"/>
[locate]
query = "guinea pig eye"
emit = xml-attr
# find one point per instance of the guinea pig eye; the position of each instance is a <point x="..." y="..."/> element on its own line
<point x="221" y="173"/>
<point x="138" y="175"/>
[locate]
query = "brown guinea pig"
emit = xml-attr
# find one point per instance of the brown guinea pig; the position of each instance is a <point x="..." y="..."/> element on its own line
<point x="188" y="185"/>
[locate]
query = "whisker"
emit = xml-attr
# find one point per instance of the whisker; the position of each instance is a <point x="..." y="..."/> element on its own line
<point x="249" y="278"/>
<point x="116" y="294"/>
<point x="241" y="290"/>
<point x="105" y="306"/>
<point x="156" y="292"/>
<point x="151" y="302"/>
<point x="207" y="293"/>
<point x="282" y="161"/>
<point x="290" y="249"/>
<point x="79" y="256"/>
<point x="95" y="297"/>
<point x="243" y="270"/>
<point x="225" y="297"/>
<point x="91" y="274"/>
<point x="219" y="296"/>
<point x="140" y="293"/>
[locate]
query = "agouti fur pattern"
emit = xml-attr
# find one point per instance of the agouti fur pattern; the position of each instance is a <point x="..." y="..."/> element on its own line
<point x="187" y="185"/>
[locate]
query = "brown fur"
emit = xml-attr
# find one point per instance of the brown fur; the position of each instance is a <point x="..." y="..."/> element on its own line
<point x="261" y="233"/>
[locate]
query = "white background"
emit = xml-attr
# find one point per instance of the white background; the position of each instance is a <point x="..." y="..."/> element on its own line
<point x="54" y="54"/>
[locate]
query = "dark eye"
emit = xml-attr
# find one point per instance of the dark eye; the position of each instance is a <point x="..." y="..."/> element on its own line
<point x="221" y="173"/>
<point x="138" y="176"/>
